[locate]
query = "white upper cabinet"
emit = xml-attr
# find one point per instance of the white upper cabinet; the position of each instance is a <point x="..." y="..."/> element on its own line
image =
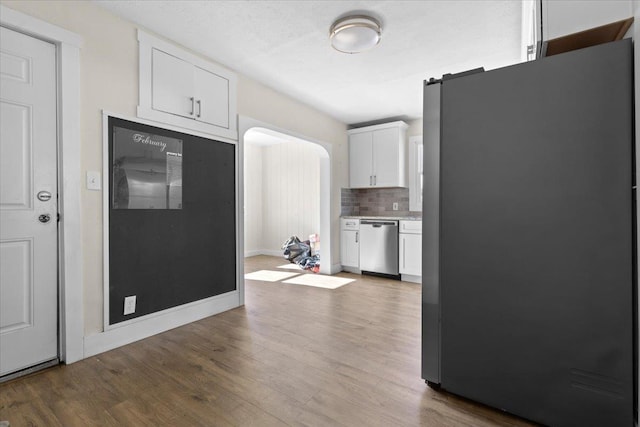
<point x="389" y="150"/>
<point x="181" y="89"/>
<point x="360" y="160"/>
<point x="172" y="84"/>
<point x="562" y="17"/>
<point x="212" y="104"/>
<point x="377" y="156"/>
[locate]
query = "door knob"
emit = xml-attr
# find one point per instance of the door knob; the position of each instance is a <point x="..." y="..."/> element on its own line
<point x="44" y="218"/>
<point x="44" y="196"/>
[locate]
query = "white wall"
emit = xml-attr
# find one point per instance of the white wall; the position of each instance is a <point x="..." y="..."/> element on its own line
<point x="282" y="195"/>
<point x="253" y="199"/>
<point x="291" y="203"/>
<point x="562" y="17"/>
<point x="109" y="81"/>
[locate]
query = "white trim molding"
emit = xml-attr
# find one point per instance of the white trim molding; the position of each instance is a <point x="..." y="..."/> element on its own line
<point x="155" y="323"/>
<point x="33" y="26"/>
<point x="411" y="278"/>
<point x="268" y="252"/>
<point x="68" y="45"/>
<point x="105" y="196"/>
<point x="126" y="332"/>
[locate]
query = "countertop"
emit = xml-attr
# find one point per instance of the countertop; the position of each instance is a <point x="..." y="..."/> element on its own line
<point x="406" y="218"/>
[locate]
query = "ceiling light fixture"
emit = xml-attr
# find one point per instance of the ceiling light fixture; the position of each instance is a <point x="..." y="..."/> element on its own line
<point x="355" y="33"/>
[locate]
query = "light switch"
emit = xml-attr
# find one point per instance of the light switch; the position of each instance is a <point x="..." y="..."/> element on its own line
<point x="93" y="180"/>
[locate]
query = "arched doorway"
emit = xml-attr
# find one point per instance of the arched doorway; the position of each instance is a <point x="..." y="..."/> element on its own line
<point x="250" y="127"/>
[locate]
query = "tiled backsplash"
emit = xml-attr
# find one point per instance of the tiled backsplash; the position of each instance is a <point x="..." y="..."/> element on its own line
<point x="376" y="202"/>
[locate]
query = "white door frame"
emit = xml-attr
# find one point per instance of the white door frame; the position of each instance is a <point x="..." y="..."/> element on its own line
<point x="68" y="44"/>
<point x="247" y="123"/>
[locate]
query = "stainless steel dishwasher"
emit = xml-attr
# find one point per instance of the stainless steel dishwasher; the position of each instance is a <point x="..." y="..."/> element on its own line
<point x="379" y="246"/>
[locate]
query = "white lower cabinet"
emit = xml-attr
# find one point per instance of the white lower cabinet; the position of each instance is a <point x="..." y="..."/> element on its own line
<point x="410" y="250"/>
<point x="350" y="244"/>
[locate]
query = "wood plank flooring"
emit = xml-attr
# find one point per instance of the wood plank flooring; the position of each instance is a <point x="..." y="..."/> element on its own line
<point x="292" y="356"/>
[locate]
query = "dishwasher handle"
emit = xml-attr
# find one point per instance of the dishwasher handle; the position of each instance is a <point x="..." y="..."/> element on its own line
<point x="378" y="224"/>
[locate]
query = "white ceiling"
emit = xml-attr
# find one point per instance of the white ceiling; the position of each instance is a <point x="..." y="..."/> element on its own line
<point x="284" y="45"/>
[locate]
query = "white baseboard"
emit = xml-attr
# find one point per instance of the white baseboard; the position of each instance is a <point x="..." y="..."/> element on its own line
<point x="269" y="252"/>
<point x="273" y="252"/>
<point x="137" y="329"/>
<point x="337" y="268"/>
<point x="410" y="278"/>
<point x="353" y="270"/>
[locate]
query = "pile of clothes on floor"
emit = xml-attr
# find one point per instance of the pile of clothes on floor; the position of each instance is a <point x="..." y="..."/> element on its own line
<point x="299" y="252"/>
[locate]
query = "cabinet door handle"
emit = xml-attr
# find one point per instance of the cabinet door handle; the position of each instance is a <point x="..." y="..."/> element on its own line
<point x="404" y="254"/>
<point x="374" y="179"/>
<point x="193" y="106"/>
<point x="199" y="102"/>
<point x="370" y="180"/>
<point x="357" y="236"/>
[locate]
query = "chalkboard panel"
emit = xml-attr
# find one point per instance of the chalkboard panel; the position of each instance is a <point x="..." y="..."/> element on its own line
<point x="170" y="257"/>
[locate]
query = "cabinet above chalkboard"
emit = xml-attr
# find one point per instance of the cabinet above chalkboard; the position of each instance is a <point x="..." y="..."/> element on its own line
<point x="182" y="89"/>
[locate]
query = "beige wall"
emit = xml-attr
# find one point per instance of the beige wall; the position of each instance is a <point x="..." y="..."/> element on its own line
<point x="109" y="81"/>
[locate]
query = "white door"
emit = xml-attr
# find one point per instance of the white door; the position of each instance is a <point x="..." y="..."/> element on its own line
<point x="360" y="158"/>
<point x="410" y="254"/>
<point x="173" y="85"/>
<point x="349" y="249"/>
<point x="386" y="157"/>
<point x="28" y="226"/>
<point x="212" y="98"/>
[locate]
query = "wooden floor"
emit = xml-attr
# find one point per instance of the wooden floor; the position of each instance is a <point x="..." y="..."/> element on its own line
<point x="293" y="355"/>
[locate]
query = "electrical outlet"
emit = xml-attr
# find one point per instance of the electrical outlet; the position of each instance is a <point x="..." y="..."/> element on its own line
<point x="395" y="206"/>
<point x="129" y="304"/>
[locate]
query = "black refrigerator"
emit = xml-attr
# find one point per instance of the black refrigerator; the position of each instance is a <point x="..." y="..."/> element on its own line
<point x="529" y="294"/>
